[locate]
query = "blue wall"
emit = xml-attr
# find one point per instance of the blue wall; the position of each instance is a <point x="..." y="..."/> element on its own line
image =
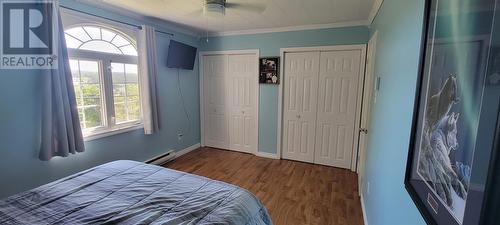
<point x="399" y="25"/>
<point x="269" y="45"/>
<point x="20" y="106"/>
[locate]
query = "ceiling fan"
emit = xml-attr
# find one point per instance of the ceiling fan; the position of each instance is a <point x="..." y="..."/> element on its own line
<point x="219" y="7"/>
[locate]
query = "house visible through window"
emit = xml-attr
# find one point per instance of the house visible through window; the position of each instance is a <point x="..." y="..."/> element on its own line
<point x="104" y="67"/>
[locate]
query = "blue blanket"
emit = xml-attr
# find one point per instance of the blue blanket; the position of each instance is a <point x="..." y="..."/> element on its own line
<point x="128" y="192"/>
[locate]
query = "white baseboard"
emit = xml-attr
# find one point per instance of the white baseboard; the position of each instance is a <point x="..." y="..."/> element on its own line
<point x="187" y="150"/>
<point x="362" y="199"/>
<point x="267" y="155"/>
<point x="177" y="153"/>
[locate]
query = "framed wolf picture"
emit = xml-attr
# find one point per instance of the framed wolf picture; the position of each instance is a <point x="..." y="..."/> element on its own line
<point x="453" y="145"/>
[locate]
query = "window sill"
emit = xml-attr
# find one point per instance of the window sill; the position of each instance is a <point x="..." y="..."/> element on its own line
<point x="107" y="133"/>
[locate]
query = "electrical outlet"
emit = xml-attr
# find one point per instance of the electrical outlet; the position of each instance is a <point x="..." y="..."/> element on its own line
<point x="179" y="136"/>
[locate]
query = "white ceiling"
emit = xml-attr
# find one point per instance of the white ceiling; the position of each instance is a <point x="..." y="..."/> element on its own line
<point x="277" y="15"/>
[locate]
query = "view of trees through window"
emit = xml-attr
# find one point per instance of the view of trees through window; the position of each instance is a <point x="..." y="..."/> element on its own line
<point x="86" y="81"/>
<point x="125" y="92"/>
<point x="104" y="61"/>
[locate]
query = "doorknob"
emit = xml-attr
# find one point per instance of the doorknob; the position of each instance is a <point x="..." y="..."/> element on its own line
<point x="298" y="116"/>
<point x="363" y="130"/>
<point x="243" y="111"/>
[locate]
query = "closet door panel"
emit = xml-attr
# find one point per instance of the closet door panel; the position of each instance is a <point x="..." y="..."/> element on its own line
<point x="337" y="106"/>
<point x="214" y="89"/>
<point x="300" y="105"/>
<point x="242" y="82"/>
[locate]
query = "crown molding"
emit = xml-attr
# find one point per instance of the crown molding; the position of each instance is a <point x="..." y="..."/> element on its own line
<point x="291" y="28"/>
<point x="375" y="9"/>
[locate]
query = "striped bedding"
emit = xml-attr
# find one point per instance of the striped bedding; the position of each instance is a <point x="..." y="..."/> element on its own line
<point x="128" y="192"/>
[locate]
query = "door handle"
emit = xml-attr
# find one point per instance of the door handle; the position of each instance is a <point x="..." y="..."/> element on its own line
<point x="243" y="111"/>
<point x="298" y="116"/>
<point x="363" y="130"/>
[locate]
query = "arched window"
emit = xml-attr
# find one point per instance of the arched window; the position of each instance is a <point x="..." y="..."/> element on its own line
<point x="95" y="38"/>
<point x="103" y="63"/>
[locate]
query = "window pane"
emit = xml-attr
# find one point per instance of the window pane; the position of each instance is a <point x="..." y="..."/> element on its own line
<point x="119" y="90"/>
<point x="96" y="38"/>
<point x="91" y="90"/>
<point x="107" y="35"/>
<point x="78" y="95"/>
<point x="79" y="33"/>
<point x="131" y="73"/>
<point x="118" y="73"/>
<point x="80" y="115"/>
<point x="93" y="116"/>
<point x="126" y="92"/>
<point x="89" y="71"/>
<point x="132" y="89"/>
<point x="132" y="99"/>
<point x="91" y="101"/>
<point x="94" y="32"/>
<point x="134" y="110"/>
<point x="120" y="112"/>
<point x="72" y="42"/>
<point x="101" y="46"/>
<point x="73" y="65"/>
<point x="129" y="50"/>
<point x="88" y="92"/>
<point x="119" y="41"/>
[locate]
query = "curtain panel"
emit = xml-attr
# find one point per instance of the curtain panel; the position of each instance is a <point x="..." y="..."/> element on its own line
<point x="148" y="70"/>
<point x="61" y="133"/>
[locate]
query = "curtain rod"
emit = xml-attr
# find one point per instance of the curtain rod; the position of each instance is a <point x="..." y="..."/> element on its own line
<point x="116" y="21"/>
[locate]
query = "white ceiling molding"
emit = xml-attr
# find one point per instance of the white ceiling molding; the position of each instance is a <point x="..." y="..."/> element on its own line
<point x="373" y="13"/>
<point x="159" y="23"/>
<point x="291" y="28"/>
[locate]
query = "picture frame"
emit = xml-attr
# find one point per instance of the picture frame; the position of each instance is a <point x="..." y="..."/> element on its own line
<point x="269" y="70"/>
<point x="454" y="142"/>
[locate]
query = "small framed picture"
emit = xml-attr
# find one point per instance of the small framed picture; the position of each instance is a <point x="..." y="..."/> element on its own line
<point x="269" y="70"/>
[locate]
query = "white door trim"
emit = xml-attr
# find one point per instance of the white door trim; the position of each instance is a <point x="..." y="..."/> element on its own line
<point x="255" y="52"/>
<point x="283" y="51"/>
<point x="367" y="105"/>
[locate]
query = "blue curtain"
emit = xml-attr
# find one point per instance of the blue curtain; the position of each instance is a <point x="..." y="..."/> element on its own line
<point x="148" y="73"/>
<point x="61" y="131"/>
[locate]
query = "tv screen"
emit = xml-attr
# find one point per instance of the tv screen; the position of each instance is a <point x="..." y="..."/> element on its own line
<point x="181" y="56"/>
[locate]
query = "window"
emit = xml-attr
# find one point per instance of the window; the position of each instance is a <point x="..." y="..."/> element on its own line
<point x="104" y="67"/>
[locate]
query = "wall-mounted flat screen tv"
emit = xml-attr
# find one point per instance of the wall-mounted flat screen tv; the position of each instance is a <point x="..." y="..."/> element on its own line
<point x="181" y="56"/>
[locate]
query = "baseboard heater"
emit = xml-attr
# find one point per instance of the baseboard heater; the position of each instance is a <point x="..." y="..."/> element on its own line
<point x="162" y="159"/>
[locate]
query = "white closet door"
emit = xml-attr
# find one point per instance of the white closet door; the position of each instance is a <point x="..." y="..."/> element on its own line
<point x="300" y="105"/>
<point x="337" y="106"/>
<point x="242" y="80"/>
<point x="214" y="89"/>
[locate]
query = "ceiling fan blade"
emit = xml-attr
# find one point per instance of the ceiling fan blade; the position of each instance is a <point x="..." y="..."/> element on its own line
<point x="252" y="7"/>
<point x="198" y="12"/>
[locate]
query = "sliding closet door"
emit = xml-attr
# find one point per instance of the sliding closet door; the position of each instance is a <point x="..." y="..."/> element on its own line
<point x="242" y="105"/>
<point x="214" y="93"/>
<point x="300" y="105"/>
<point x="337" y="107"/>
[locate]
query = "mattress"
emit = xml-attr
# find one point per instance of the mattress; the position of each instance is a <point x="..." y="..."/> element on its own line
<point x="128" y="192"/>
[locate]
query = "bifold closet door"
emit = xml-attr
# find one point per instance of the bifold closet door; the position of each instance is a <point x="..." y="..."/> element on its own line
<point x="300" y="103"/>
<point x="242" y="86"/>
<point x="214" y="96"/>
<point x="339" y="80"/>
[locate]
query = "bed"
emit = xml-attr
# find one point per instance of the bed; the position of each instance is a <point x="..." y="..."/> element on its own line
<point x="128" y="192"/>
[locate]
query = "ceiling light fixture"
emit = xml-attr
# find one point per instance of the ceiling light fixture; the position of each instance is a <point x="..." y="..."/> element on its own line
<point x="214" y="7"/>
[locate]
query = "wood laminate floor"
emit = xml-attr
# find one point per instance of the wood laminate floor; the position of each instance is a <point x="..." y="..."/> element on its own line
<point x="293" y="192"/>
